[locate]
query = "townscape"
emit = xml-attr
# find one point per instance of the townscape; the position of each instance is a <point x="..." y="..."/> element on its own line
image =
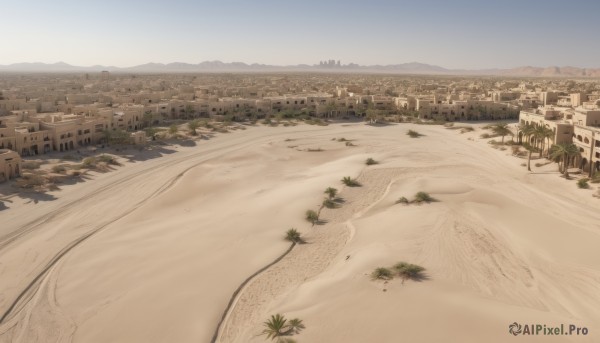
<point x="299" y="171"/>
<point x="58" y="113"/>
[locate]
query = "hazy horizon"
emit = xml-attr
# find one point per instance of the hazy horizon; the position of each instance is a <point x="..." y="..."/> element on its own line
<point x="464" y="34"/>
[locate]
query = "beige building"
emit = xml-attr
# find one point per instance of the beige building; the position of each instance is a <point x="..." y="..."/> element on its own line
<point x="10" y="165"/>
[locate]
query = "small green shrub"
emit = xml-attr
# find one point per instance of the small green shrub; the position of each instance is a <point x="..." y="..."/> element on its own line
<point x="421" y="197"/>
<point x="583" y="183"/>
<point x="370" y="161"/>
<point x="382" y="274"/>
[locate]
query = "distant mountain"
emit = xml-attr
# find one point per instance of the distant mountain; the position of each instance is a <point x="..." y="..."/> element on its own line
<point x="218" y="66"/>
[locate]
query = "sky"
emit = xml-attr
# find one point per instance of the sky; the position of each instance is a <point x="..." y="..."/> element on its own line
<point x="457" y="34"/>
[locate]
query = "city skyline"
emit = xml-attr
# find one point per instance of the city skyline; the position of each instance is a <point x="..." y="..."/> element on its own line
<point x="463" y="35"/>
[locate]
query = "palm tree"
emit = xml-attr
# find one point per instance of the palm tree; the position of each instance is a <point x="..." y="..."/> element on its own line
<point x="331" y="192"/>
<point x="408" y="270"/>
<point x="296" y="325"/>
<point x="501" y="129"/>
<point x="526" y="130"/>
<point x="275" y="327"/>
<point x="328" y="203"/>
<point x="564" y="151"/>
<point x="541" y="133"/>
<point x="293" y="236"/>
<point x="312" y="216"/>
<point x="193" y="125"/>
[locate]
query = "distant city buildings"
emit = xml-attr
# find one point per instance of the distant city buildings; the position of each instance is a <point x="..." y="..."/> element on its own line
<point x="61" y="112"/>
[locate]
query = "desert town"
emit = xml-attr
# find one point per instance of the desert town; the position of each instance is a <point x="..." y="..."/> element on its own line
<point x="148" y="208"/>
<point x="40" y="114"/>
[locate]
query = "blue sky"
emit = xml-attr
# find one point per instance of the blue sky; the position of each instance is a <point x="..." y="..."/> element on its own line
<point x="466" y="34"/>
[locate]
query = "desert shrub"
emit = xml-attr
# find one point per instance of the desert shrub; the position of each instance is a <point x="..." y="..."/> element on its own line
<point x="349" y="144"/>
<point x="595" y="178"/>
<point x="59" y="169"/>
<point x="583" y="183"/>
<point x="402" y="200"/>
<point x="30" y="181"/>
<point x="370" y="161"/>
<point x="382" y="274"/>
<point x="423" y="197"/>
<point x="485" y="135"/>
<point x="314" y="150"/>
<point x="408" y="271"/>
<point x="413" y="134"/>
<point x="329" y="203"/>
<point x="30" y="165"/>
<point x="350" y="182"/>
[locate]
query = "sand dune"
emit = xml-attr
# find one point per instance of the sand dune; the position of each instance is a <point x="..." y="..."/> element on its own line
<point x="152" y="252"/>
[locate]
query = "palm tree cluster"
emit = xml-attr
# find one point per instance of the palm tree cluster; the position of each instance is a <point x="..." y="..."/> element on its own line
<point x="502" y="129"/>
<point x="537" y="137"/>
<point x="420" y="198"/>
<point x="563" y="152"/>
<point x="406" y="271"/>
<point x="278" y="326"/>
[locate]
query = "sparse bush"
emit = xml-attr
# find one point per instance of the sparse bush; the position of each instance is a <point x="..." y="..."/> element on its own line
<point x="595" y="178"/>
<point x="89" y="162"/>
<point x="408" y="271"/>
<point x="382" y="274"/>
<point x="485" y="135"/>
<point x="370" y="161"/>
<point x="349" y="144"/>
<point x="329" y="203"/>
<point x="402" y="200"/>
<point x="583" y="183"/>
<point x="413" y="134"/>
<point x="342" y="139"/>
<point x="30" y="165"/>
<point x="350" y="182"/>
<point x="421" y="197"/>
<point x="59" y="169"/>
<point x="108" y="159"/>
<point x="315" y="150"/>
<point x="30" y="181"/>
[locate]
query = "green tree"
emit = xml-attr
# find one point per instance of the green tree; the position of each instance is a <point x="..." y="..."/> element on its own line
<point x="193" y="125"/>
<point x="275" y="327"/>
<point x="312" y="216"/>
<point x="293" y="236"/>
<point x="563" y="152"/>
<point x="501" y="129"/>
<point x="331" y="192"/>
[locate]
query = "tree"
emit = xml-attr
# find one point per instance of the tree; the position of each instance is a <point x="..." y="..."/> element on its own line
<point x="312" y="216"/>
<point x="501" y="129"/>
<point x="296" y="325"/>
<point x="564" y="151"/>
<point x="541" y="133"/>
<point x="279" y="326"/>
<point x="331" y="192"/>
<point x="275" y="327"/>
<point x="526" y="131"/>
<point x="293" y="236"/>
<point x="408" y="271"/>
<point x="193" y="125"/>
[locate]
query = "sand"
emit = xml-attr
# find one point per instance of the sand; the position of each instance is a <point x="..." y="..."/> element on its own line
<point x="153" y="251"/>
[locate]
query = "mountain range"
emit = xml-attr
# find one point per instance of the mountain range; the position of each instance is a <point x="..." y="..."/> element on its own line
<point x="218" y="66"/>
